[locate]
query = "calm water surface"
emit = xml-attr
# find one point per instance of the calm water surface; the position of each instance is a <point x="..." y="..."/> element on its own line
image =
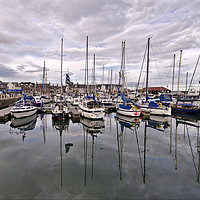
<point x="110" y="159"/>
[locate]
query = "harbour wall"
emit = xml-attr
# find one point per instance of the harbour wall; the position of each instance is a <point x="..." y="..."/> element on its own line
<point x="5" y="102"/>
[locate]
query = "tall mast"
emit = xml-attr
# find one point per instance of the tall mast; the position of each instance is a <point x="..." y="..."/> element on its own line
<point x="94" y="80"/>
<point x="179" y="69"/>
<point x="173" y="75"/>
<point x="194" y="72"/>
<point x="123" y="65"/>
<point x="108" y="78"/>
<point x="87" y="63"/>
<point x="43" y="78"/>
<point x="61" y="61"/>
<point x="103" y="75"/>
<point x="186" y="81"/>
<point x="46" y="81"/>
<point x="147" y="69"/>
<point x="121" y="72"/>
<point x="111" y="81"/>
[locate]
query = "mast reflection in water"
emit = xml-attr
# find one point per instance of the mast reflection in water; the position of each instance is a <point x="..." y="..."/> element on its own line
<point x="62" y="125"/>
<point x="115" y="158"/>
<point x="93" y="128"/>
<point x="23" y="125"/>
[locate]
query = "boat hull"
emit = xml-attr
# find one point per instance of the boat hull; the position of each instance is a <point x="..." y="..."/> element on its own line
<point x="60" y="112"/>
<point x="164" y="111"/>
<point x="91" y="113"/>
<point x="20" y="113"/>
<point x="129" y="113"/>
<point x="186" y="111"/>
<point x="61" y="115"/>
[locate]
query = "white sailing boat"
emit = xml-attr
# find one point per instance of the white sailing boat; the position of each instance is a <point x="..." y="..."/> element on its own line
<point x="60" y="110"/>
<point x="24" y="107"/>
<point x="152" y="106"/>
<point x="90" y="107"/>
<point x="126" y="108"/>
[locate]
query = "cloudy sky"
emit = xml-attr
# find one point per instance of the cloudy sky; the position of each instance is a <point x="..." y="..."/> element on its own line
<point x="31" y="32"/>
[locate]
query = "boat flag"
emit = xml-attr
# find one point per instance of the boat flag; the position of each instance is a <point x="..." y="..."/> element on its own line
<point x="68" y="79"/>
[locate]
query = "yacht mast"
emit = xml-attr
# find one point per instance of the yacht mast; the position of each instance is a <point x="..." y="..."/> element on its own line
<point x="186" y="81"/>
<point x="147" y="78"/>
<point x="61" y="61"/>
<point x="173" y="75"/>
<point x="87" y="64"/>
<point x="123" y="65"/>
<point x="103" y="75"/>
<point x="43" y="79"/>
<point x="94" y="80"/>
<point x="179" y="70"/>
<point x="194" y="72"/>
<point x="111" y="81"/>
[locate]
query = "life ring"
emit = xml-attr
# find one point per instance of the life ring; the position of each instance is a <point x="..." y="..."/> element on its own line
<point x="159" y="104"/>
<point x="134" y="108"/>
<point x="133" y="124"/>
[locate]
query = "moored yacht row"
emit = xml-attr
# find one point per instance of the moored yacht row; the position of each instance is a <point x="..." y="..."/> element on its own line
<point x="94" y="107"/>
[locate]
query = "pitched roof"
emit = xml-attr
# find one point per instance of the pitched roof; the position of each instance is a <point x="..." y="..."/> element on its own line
<point x="156" y="89"/>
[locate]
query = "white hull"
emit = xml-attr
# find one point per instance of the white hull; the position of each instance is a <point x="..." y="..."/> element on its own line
<point x="45" y="101"/>
<point x="60" y="111"/>
<point x="97" y="113"/>
<point x="157" y="111"/>
<point x="129" y="113"/>
<point x="24" y="111"/>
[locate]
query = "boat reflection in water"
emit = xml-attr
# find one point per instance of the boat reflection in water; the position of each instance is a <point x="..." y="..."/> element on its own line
<point x="189" y="123"/>
<point x="22" y="125"/>
<point x="128" y="122"/>
<point x="92" y="128"/>
<point x="159" y="122"/>
<point x="62" y="126"/>
<point x="125" y="122"/>
<point x="186" y="117"/>
<point x="138" y="125"/>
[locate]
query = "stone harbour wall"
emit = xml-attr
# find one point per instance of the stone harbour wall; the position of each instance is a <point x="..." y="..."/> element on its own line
<point x="5" y="102"/>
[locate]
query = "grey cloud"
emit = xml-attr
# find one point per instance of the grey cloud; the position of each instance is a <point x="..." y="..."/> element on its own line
<point x="5" y="71"/>
<point x="34" y="28"/>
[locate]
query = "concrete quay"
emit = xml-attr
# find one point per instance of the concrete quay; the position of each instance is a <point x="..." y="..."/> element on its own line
<point x="5" y="114"/>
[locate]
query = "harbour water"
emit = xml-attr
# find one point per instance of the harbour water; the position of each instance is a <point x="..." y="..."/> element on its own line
<point x="111" y="159"/>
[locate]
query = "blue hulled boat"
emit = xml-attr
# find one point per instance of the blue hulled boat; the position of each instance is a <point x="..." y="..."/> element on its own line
<point x="187" y="108"/>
